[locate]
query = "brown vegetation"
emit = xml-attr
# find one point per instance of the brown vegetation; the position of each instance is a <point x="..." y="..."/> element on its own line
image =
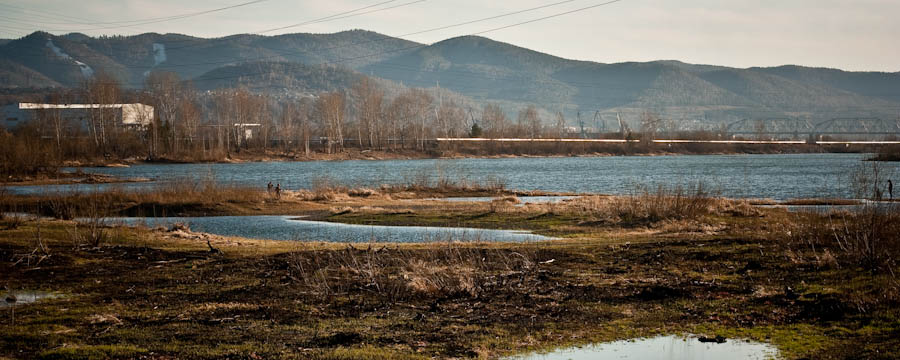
<point x="162" y="199"/>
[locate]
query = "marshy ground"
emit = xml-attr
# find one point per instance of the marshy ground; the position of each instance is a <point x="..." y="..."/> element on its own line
<point x="666" y="262"/>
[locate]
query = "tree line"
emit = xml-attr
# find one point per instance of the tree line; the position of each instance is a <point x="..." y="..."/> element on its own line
<point x="191" y="125"/>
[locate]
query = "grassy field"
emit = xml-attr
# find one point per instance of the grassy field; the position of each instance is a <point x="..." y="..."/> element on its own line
<point x="665" y="262"/>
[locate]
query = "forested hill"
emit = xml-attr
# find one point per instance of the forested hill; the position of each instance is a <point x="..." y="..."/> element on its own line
<point x="279" y="77"/>
<point x="487" y="69"/>
<point x="482" y="69"/>
<point x="129" y="58"/>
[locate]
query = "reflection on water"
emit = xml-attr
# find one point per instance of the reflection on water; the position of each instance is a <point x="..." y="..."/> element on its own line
<point x="19" y="298"/>
<point x="780" y="177"/>
<point x="661" y="348"/>
<point x="292" y="228"/>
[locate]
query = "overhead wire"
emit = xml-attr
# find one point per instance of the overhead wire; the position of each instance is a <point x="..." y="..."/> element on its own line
<point x="337" y="16"/>
<point x="416" y="46"/>
<point x="147" y="21"/>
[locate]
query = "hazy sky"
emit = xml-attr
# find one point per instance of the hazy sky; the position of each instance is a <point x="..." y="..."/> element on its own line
<point x="851" y="35"/>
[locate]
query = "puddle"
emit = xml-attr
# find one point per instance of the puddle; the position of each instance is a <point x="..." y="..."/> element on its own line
<point x="293" y="228"/>
<point x="20" y="215"/>
<point x="661" y="348"/>
<point x="24" y="297"/>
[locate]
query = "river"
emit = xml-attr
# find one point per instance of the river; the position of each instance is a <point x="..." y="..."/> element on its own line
<point x="780" y="177"/>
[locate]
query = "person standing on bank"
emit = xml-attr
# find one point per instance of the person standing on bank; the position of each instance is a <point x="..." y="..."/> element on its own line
<point x="891" y="189"/>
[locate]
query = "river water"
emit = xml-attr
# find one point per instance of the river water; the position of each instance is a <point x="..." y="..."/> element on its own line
<point x="780" y="177"/>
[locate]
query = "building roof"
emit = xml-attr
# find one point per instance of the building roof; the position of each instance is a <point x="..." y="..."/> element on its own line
<point x="36" y="106"/>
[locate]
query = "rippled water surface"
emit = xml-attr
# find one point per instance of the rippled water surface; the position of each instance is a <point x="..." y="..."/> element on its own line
<point x="780" y="177"/>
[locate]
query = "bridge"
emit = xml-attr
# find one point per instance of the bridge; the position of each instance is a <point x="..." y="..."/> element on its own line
<point x="806" y="128"/>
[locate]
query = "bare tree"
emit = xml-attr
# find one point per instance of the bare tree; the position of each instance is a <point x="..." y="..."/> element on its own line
<point x="650" y="124"/>
<point x="530" y="122"/>
<point x="167" y="93"/>
<point x="189" y="114"/>
<point x="451" y="119"/>
<point x="494" y="121"/>
<point x="560" y="125"/>
<point x="102" y="89"/>
<point x="369" y="102"/>
<point x="330" y="109"/>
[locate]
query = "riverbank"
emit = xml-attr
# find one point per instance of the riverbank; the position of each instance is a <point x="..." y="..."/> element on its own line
<point x="64" y="178"/>
<point x="664" y="262"/>
<point x="488" y="150"/>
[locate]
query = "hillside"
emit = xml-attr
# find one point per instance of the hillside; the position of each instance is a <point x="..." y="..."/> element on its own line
<point x="479" y="68"/>
<point x="129" y="58"/>
<point x="491" y="70"/>
<point x="278" y="77"/>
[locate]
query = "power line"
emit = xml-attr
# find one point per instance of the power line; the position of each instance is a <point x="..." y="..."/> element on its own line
<point x="401" y="36"/>
<point x="478" y="33"/>
<point x="338" y="16"/>
<point x="132" y="23"/>
<point x="326" y="18"/>
<point x="387" y="38"/>
<point x="548" y="17"/>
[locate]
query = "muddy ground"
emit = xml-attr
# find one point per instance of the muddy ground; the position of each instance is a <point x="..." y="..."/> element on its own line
<point x="156" y="293"/>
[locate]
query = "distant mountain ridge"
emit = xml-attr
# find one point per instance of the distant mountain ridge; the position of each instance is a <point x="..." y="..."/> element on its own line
<point x="478" y="67"/>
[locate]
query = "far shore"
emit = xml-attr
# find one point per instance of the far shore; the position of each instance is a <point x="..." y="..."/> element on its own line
<point x="465" y="152"/>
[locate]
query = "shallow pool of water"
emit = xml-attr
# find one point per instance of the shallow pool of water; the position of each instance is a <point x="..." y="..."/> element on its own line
<point x="661" y="348"/>
<point x="24" y="297"/>
<point x="277" y="227"/>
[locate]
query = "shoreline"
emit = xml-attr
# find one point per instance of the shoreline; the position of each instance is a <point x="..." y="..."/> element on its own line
<point x="437" y="154"/>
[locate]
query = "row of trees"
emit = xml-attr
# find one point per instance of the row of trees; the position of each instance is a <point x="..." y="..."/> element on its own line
<point x="192" y="125"/>
<point x="366" y="116"/>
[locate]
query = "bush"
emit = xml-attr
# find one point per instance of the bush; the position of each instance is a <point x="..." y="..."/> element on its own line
<point x="645" y="206"/>
<point x="867" y="235"/>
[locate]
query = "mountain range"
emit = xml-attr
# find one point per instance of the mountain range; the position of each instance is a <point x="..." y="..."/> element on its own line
<point x="479" y="68"/>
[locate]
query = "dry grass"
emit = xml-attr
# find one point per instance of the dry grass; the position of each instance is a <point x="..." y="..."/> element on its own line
<point x="177" y="194"/>
<point x="647" y="207"/>
<point x="405" y="273"/>
<point x="868" y="236"/>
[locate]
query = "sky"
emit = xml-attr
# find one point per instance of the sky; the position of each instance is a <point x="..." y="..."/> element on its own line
<point x="857" y="35"/>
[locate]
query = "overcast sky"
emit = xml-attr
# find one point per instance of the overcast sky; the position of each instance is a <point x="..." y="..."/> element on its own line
<point x="850" y="35"/>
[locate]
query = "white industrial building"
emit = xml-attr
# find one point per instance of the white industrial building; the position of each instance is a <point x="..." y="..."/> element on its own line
<point x="134" y="116"/>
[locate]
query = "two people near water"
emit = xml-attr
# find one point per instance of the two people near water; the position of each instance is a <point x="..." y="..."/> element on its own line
<point x="276" y="190"/>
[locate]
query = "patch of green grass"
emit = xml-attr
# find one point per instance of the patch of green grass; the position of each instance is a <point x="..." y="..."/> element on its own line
<point x="92" y="352"/>
<point x="369" y="353"/>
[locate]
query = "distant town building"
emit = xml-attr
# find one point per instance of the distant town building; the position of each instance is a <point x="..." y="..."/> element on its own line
<point x="133" y="116"/>
<point x="247" y="132"/>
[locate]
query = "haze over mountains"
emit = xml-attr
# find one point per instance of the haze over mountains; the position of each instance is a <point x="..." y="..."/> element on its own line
<point x="479" y="68"/>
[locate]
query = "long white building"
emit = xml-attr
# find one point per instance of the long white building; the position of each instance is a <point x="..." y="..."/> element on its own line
<point x="126" y="115"/>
